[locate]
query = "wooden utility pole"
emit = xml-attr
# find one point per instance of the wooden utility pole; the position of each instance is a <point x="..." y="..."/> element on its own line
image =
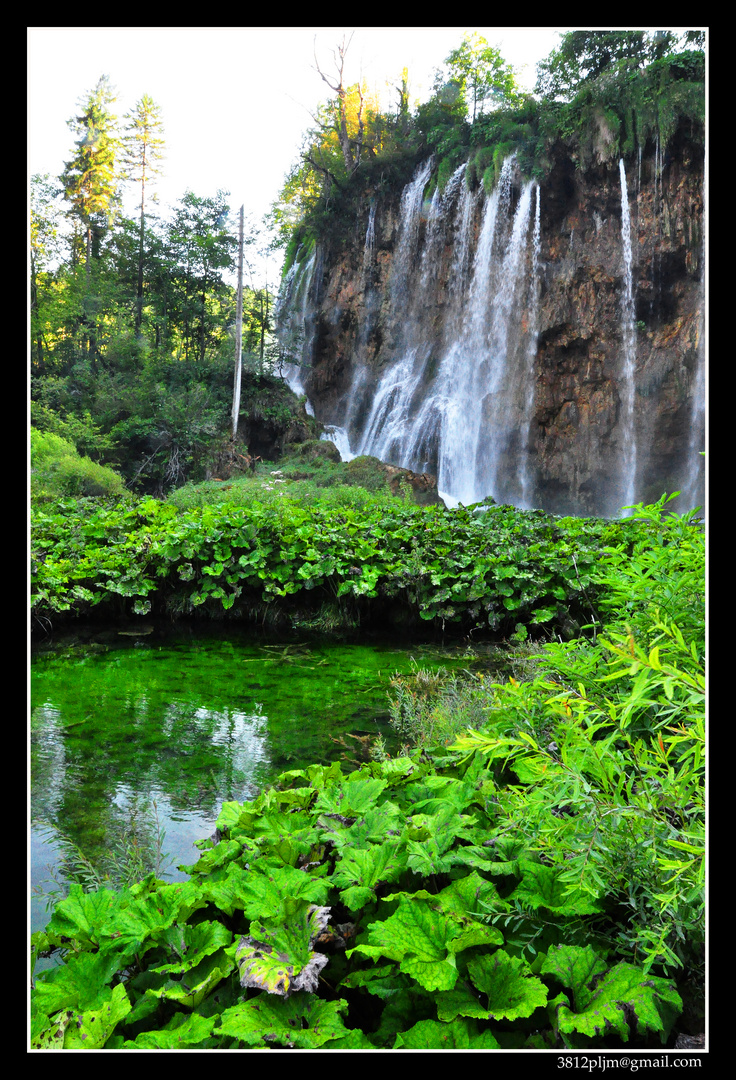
<point x="238" y="332"/>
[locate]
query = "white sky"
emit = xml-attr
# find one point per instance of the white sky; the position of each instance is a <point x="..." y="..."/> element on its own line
<point x="235" y="101"/>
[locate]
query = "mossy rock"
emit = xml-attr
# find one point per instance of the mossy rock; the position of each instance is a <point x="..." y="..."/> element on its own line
<point x="315" y="450"/>
<point x="366" y="471"/>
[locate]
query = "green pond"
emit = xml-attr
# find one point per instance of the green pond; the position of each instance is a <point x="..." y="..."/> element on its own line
<point x="132" y="736"/>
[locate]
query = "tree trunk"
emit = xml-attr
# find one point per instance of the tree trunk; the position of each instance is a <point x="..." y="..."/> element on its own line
<point x="139" y="290"/>
<point x="238" y="331"/>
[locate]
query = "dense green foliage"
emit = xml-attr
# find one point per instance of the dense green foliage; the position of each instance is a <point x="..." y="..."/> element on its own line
<point x="493" y="567"/>
<point x="57" y="470"/>
<point x="538" y="883"/>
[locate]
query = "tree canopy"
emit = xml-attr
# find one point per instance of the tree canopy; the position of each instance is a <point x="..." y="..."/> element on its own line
<point x="482" y="75"/>
<point x="583" y="55"/>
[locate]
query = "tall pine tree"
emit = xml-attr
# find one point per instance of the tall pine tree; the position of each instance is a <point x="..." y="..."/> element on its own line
<point x="90" y="183"/>
<point x="143" y="147"/>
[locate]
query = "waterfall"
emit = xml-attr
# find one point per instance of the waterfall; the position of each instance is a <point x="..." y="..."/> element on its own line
<point x="465" y="412"/>
<point x="383" y="430"/>
<point x="627" y="428"/>
<point x="531" y="356"/>
<point x="339" y="436"/>
<point x="294" y="317"/>
<point x="462" y="258"/>
<point x="429" y="353"/>
<point x="693" y="492"/>
<point x="369" y="247"/>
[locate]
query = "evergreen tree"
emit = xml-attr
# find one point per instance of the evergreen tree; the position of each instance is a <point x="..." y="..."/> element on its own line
<point x="90" y="179"/>
<point x="90" y="182"/>
<point x="142" y="151"/>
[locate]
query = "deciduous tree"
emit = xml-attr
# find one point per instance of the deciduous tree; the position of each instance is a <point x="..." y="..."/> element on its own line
<point x="202" y="248"/>
<point x="482" y="74"/>
<point x="583" y="55"/>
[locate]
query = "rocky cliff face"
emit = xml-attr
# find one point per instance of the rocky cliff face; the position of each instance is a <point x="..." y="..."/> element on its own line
<point x="486" y="339"/>
<point x="578" y="396"/>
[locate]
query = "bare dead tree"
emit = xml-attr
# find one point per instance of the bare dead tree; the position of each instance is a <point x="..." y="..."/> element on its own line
<point x="351" y="147"/>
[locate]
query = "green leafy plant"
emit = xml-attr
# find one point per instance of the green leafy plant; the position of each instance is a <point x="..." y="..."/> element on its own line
<point x="536" y="883"/>
<point x="341" y="911"/>
<point x="499" y="569"/>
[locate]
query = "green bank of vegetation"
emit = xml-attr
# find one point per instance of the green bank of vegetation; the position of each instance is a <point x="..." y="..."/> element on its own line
<point x="343" y="554"/>
<point x="526" y="872"/>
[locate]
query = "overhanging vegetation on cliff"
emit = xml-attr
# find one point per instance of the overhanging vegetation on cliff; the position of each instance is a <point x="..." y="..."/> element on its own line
<point x="603" y="102"/>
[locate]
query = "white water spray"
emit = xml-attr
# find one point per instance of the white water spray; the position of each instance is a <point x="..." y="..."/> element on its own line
<point x="627" y="420"/>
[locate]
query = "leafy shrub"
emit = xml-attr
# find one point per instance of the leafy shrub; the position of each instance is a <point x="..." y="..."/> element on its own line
<point x="46" y="447"/>
<point x="58" y="470"/>
<point x="607" y="747"/>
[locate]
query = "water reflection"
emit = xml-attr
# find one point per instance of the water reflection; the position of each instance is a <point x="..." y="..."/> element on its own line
<point x="181" y="725"/>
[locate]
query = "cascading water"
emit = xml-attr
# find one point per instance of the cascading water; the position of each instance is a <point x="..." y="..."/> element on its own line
<point x="431" y="354"/>
<point x="693" y="491"/>
<point x="295" y="320"/>
<point x="384" y="429"/>
<point x="466" y="412"/>
<point x="531" y="355"/>
<point x="627" y="424"/>
<point x="369" y="248"/>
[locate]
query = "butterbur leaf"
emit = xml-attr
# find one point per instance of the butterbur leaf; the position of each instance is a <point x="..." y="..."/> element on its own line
<point x="433" y="793"/>
<point x="352" y="798"/>
<point x="624" y="994"/>
<point x="360" y="870"/>
<point x="471" y="896"/>
<point x="81" y="983"/>
<point x="229" y="815"/>
<point x="511" y="990"/>
<point x="541" y="887"/>
<point x="303" y="1021"/>
<point x="370" y="829"/>
<point x="191" y="988"/>
<point x="573" y="966"/>
<point x="183" y="1030"/>
<point x="278" y="958"/>
<point x="220" y="855"/>
<point x="149" y="914"/>
<point x="190" y="944"/>
<point x="382" y="980"/>
<point x="86" y="917"/>
<point x="260" y="893"/>
<point x="87" y="1030"/>
<point x="420" y="939"/>
<point x="435" y="1035"/>
<point x="353" y="1040"/>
